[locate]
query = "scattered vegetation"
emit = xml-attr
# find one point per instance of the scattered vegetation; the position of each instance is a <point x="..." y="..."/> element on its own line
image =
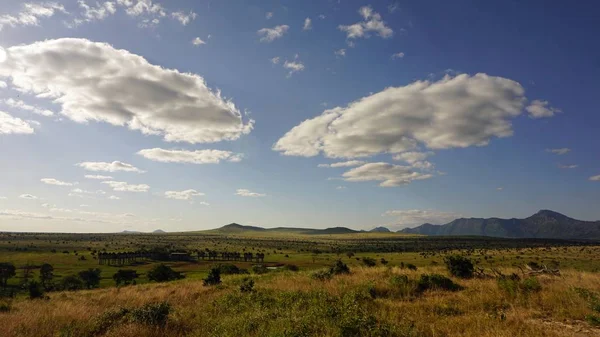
<point x="163" y="273"/>
<point x="459" y="266"/>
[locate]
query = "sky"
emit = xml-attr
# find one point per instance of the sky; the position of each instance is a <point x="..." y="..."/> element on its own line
<point x="189" y="115"/>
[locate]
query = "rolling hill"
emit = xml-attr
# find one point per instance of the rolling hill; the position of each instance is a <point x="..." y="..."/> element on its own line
<point x="543" y="224"/>
<point x="235" y="228"/>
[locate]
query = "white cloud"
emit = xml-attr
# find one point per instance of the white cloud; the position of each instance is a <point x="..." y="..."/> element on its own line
<point x="114" y="197"/>
<point x="349" y="163"/>
<point x="397" y="55"/>
<point x="415" y="159"/>
<point x="31" y="14"/>
<point x="340" y="188"/>
<point x="18" y="104"/>
<point x="416" y="217"/>
<point x="183" y="195"/>
<point x="372" y="24"/>
<point x="198" y="41"/>
<point x="500" y="188"/>
<point x="454" y="112"/>
<point x="595" y="178"/>
<point x="99" y="12"/>
<point x="269" y="15"/>
<point x="13" y="125"/>
<point x="567" y="166"/>
<point x="178" y="106"/>
<point x="3" y="198"/>
<point x="541" y="109"/>
<point x="271" y="34"/>
<point x="247" y="193"/>
<point x="275" y="60"/>
<point x="340" y="52"/>
<point x="122" y="186"/>
<point x="184" y="18"/>
<point x="2" y="83"/>
<point x="560" y="152"/>
<point x="307" y="24"/>
<point x="293" y="66"/>
<point x="322" y="17"/>
<point x="115" y="166"/>
<point x="142" y="7"/>
<point x="28" y="196"/>
<point x="191" y="157"/>
<point x="389" y="175"/>
<point x="393" y="7"/>
<point x="52" y="181"/>
<point x="97" y="177"/>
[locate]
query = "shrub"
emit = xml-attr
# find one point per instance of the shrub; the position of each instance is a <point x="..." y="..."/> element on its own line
<point x="230" y="269"/>
<point x="163" y="273"/>
<point x="7" y="270"/>
<point x="383" y="261"/>
<point x="436" y="282"/>
<point x="247" y="285"/>
<point x="214" y="277"/>
<point x="90" y="277"/>
<point x="35" y="290"/>
<point x="125" y="277"/>
<point x="291" y="267"/>
<point x="5" y="307"/>
<point x="513" y="285"/>
<point x="151" y="314"/>
<point x="321" y="275"/>
<point x="339" y="267"/>
<point x="46" y="275"/>
<point x="71" y="283"/>
<point x="459" y="266"/>
<point x="411" y="266"/>
<point x="369" y="262"/>
<point x="259" y="269"/>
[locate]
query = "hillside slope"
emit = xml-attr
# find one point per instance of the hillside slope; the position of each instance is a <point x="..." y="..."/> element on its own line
<point x="543" y="224"/>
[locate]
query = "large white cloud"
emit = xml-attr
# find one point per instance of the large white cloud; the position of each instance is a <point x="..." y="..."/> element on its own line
<point x="122" y="186"/>
<point x="348" y="163"/>
<point x="115" y="166"/>
<point x="454" y="112"/>
<point x="97" y="177"/>
<point x="96" y="82"/>
<point x="417" y="217"/>
<point x="191" y="157"/>
<point x="389" y="175"/>
<point x="183" y="195"/>
<point x="14" y="125"/>
<point x="595" y="178"/>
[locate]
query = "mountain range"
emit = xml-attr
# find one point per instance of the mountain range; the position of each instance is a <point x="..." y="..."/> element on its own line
<point x="543" y="224"/>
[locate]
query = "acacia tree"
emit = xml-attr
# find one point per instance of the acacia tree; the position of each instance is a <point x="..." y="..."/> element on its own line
<point x="7" y="270"/>
<point x="125" y="277"/>
<point x="46" y="275"/>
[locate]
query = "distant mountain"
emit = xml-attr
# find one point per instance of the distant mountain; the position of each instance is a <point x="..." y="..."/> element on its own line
<point x="544" y="224"/>
<point x="130" y="232"/>
<point x="380" y="230"/>
<point x="159" y="231"/>
<point x="237" y="228"/>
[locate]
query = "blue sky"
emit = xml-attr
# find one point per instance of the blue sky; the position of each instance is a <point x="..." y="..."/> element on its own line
<point x="194" y="114"/>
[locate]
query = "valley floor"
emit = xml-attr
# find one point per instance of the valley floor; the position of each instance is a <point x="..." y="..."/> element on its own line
<point x="377" y="301"/>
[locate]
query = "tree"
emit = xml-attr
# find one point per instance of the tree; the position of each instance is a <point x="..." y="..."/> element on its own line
<point x="46" y="275"/>
<point x="71" y="283"/>
<point x="339" y="267"/>
<point x="383" y="261"/>
<point x="214" y="277"/>
<point x="90" y="277"/>
<point x="162" y="273"/>
<point x="7" y="270"/>
<point x="369" y="262"/>
<point x="125" y="277"/>
<point x="35" y="290"/>
<point x="459" y="266"/>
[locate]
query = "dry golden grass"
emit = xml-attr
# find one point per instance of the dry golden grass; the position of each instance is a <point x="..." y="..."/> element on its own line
<point x="481" y="309"/>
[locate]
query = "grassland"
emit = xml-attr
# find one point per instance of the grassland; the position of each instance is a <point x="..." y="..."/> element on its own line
<point x="367" y="302"/>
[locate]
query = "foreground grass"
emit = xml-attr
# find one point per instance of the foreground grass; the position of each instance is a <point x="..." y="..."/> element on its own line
<point x="368" y="302"/>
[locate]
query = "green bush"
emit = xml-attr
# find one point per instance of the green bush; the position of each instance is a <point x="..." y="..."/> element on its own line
<point x="90" y="277"/>
<point x="369" y="262"/>
<point x="321" y="275"/>
<point x="459" y="266"/>
<point x="214" y="277"/>
<point x="247" y="285"/>
<point x="125" y="277"/>
<point x="35" y="290"/>
<point x="411" y="266"/>
<point x="231" y="269"/>
<point x="71" y="283"/>
<point x="436" y="282"/>
<point x="163" y="273"/>
<point x="513" y="286"/>
<point x="259" y="269"/>
<point x="291" y="267"/>
<point x="155" y="314"/>
<point x="338" y="268"/>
